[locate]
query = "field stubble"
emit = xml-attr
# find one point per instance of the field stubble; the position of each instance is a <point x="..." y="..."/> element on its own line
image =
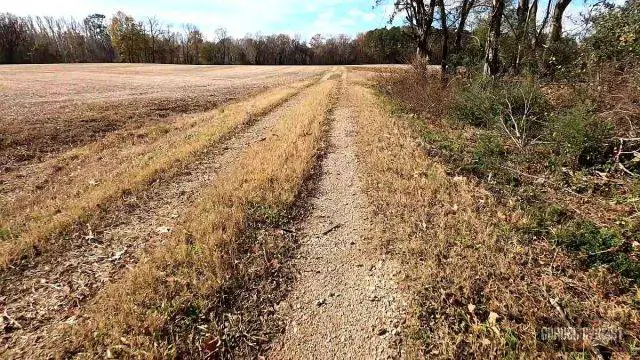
<point x="78" y="183"/>
<point x="54" y="287"/>
<point x="184" y="272"/>
<point x="48" y="109"/>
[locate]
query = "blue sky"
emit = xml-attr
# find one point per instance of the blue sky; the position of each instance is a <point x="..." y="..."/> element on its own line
<point x="239" y="17"/>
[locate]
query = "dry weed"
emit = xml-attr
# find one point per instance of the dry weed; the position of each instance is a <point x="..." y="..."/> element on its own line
<point x="481" y="292"/>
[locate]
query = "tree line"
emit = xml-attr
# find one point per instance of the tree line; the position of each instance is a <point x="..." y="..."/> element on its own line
<point x="504" y="36"/>
<point x="122" y="38"/>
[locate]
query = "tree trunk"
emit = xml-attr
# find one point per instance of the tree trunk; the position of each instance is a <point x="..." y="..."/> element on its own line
<point x="420" y="17"/>
<point x="491" y="59"/>
<point x="521" y="28"/>
<point x="554" y="35"/>
<point x="556" y="21"/>
<point x="445" y="38"/>
<point x="532" y="19"/>
<point x="467" y="5"/>
<point x="545" y="20"/>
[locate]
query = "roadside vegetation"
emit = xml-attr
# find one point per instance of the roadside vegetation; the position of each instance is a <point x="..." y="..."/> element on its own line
<point x="36" y="221"/>
<point x="167" y="306"/>
<point x="529" y="219"/>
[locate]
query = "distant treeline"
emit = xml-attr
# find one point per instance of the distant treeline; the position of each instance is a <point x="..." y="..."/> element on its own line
<point x="122" y="38"/>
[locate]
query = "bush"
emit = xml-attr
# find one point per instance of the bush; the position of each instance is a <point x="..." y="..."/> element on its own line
<point x="580" y="138"/>
<point x="616" y="34"/>
<point x="477" y="104"/>
<point x="520" y="104"/>
<point x="489" y="152"/>
<point x="416" y="92"/>
<point x="596" y="243"/>
<point x="524" y="111"/>
<point x="585" y="236"/>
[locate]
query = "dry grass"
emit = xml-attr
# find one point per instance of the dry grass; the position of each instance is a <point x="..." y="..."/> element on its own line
<point x="161" y="308"/>
<point x="481" y="291"/>
<point x="90" y="177"/>
<point x="379" y="69"/>
<point x="47" y="109"/>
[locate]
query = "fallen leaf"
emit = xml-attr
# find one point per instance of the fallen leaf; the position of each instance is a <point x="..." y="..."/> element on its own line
<point x="163" y="230"/>
<point x="117" y="255"/>
<point x="492" y="318"/>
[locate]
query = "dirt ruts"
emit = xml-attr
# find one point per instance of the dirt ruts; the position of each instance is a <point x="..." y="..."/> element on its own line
<point x="345" y="303"/>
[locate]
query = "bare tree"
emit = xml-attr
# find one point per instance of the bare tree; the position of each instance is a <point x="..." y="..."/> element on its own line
<point x="153" y="28"/>
<point x="419" y="16"/>
<point x="543" y="25"/>
<point x="445" y="38"/>
<point x="12" y="34"/>
<point x="222" y="36"/>
<point x="465" y="10"/>
<point x="522" y="16"/>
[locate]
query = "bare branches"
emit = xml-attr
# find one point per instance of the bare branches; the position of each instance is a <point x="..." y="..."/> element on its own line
<point x="516" y="127"/>
<point x="620" y="152"/>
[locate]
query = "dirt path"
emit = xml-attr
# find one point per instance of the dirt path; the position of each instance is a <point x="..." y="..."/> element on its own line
<point x="345" y="303"/>
<point x="54" y="287"/>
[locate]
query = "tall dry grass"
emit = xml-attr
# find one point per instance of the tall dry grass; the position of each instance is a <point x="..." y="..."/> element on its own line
<point x="138" y="315"/>
<point x="104" y="171"/>
<point x="480" y="292"/>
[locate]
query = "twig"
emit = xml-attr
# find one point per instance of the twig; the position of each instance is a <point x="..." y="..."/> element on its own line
<point x="11" y="320"/>
<point x="620" y="152"/>
<point x="331" y="229"/>
<point x="610" y="250"/>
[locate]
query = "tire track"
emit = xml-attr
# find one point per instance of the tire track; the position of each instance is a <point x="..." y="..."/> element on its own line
<point x="345" y="303"/>
<point x="54" y="288"/>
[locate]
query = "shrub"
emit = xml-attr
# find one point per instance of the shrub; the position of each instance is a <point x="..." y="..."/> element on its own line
<point x="477" y="104"/>
<point x="601" y="246"/>
<point x="524" y="111"/>
<point x="580" y="138"/>
<point x="616" y="34"/>
<point x="627" y="267"/>
<point x="483" y="102"/>
<point x="489" y="152"/>
<point x="585" y="236"/>
<point x="6" y="234"/>
<point x="564" y="59"/>
<point x="416" y="92"/>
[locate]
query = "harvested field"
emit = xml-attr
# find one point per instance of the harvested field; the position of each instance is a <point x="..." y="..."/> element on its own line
<point x="46" y="109"/>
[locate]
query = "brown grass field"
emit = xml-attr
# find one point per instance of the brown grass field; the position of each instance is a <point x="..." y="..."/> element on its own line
<point x="46" y="109"/>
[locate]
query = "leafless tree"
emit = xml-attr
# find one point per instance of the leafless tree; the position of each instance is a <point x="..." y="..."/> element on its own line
<point x="419" y="16"/>
<point x="153" y="30"/>
<point x="465" y="10"/>
<point x="445" y="38"/>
